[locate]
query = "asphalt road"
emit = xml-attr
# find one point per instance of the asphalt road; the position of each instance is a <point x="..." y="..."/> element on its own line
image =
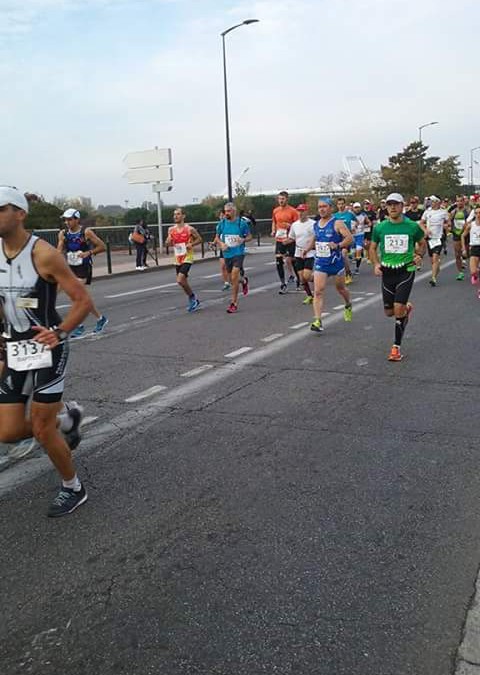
<point x="299" y="507"/>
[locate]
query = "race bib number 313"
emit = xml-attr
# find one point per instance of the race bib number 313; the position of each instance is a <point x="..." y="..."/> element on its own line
<point x="396" y="243"/>
<point x="28" y="355"/>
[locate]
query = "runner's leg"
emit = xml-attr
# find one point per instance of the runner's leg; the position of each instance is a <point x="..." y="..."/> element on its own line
<point x="319" y="284"/>
<point x="45" y="430"/>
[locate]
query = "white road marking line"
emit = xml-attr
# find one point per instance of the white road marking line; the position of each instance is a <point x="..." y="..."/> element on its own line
<point x="22" y="473"/>
<point x="271" y="338"/>
<point x="369" y="293"/>
<point x="325" y="314"/>
<point x="210" y="290"/>
<point x="271" y="263"/>
<point x="242" y="350"/>
<point x="197" y="371"/>
<point x="211" y="276"/>
<point x="89" y="420"/>
<point x="357" y="299"/>
<point x="141" y="290"/>
<point x="62" y="306"/>
<point x="146" y="394"/>
<point x="339" y="307"/>
<point x="299" y="325"/>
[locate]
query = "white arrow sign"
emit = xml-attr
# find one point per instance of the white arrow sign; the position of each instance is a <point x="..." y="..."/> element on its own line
<point x="154" y="174"/>
<point x="144" y="158"/>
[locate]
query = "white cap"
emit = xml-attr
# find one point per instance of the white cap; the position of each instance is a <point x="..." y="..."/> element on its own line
<point x="10" y="195"/>
<point x="71" y="213"/>
<point x="395" y="197"/>
<point x="357" y="204"/>
<point x="434" y="199"/>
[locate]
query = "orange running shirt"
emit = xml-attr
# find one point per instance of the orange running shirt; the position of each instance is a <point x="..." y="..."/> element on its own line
<point x="180" y="238"/>
<point x="283" y="217"/>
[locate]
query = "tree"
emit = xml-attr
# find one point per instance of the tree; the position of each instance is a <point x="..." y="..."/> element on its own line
<point x="242" y="200"/>
<point x="42" y="215"/>
<point x="445" y="178"/>
<point x="408" y="169"/>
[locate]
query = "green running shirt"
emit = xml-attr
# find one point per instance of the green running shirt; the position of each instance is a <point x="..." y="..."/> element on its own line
<point x="396" y="242"/>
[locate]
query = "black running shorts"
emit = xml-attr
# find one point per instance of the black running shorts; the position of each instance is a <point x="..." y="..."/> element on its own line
<point x="45" y="385"/>
<point x="235" y="261"/>
<point x="184" y="269"/>
<point x="435" y="249"/>
<point x="285" y="249"/>
<point x="396" y="286"/>
<point x="304" y="263"/>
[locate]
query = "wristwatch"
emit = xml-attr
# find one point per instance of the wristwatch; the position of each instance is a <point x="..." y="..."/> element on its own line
<point x="61" y="334"/>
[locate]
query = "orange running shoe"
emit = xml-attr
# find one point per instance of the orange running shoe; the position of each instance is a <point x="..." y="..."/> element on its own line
<point x="395" y="354"/>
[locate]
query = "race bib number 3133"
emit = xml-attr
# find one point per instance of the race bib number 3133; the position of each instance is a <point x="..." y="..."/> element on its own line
<point x="28" y="355"/>
<point x="396" y="243"/>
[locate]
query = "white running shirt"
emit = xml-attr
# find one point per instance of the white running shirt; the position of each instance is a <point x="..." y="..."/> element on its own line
<point x="302" y="233"/>
<point x="435" y="220"/>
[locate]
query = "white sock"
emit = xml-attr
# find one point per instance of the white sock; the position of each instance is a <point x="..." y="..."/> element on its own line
<point x="73" y="484"/>
<point x="65" y="421"/>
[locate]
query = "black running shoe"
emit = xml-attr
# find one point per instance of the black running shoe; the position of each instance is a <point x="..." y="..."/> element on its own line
<point x="67" y="501"/>
<point x="73" y="437"/>
<point x="283" y="289"/>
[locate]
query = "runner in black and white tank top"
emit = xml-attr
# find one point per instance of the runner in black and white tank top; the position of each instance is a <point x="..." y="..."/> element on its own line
<point x="26" y="299"/>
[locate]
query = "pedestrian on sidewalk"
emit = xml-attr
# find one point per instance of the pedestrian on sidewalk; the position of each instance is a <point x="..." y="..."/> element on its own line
<point x="139" y="238"/>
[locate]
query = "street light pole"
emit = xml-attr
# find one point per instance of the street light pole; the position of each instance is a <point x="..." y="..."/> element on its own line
<point x="471" y="166"/>
<point x="225" y="88"/>
<point x="419" y="172"/>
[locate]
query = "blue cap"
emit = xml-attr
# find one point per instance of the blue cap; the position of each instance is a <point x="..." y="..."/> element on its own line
<point x="326" y="200"/>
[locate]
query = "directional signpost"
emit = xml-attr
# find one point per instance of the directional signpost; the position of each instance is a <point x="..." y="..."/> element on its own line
<point x="152" y="166"/>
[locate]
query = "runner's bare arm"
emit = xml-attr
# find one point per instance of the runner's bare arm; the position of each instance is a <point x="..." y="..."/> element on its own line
<point x="52" y="267"/>
<point x="464" y="236"/>
<point x="98" y="243"/>
<point x="168" y="241"/>
<point x="196" y="236"/>
<point x="342" y="229"/>
<point x="377" y="269"/>
<point x="61" y="241"/>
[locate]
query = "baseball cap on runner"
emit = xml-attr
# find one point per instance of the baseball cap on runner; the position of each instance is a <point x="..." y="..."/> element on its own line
<point x="434" y="199"/>
<point x="302" y="207"/>
<point x="357" y="204"/>
<point x="395" y="197"/>
<point x="10" y="195"/>
<point x="71" y="213"/>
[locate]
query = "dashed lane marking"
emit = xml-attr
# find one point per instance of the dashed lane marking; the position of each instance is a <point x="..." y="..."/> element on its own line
<point x="156" y="389"/>
<point x="211" y="276"/>
<point x="141" y="290"/>
<point x="271" y="338"/>
<point x="89" y="420"/>
<point x="197" y="371"/>
<point x="299" y="325"/>
<point x="238" y="352"/>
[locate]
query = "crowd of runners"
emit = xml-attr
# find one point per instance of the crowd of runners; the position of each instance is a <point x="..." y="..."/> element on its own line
<point x="392" y="237"/>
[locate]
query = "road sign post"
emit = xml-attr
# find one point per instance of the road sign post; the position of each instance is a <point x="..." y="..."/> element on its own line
<point x="155" y="167"/>
<point x="159" y="188"/>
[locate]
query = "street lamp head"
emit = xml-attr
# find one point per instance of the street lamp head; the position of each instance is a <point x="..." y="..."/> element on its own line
<point x="248" y="21"/>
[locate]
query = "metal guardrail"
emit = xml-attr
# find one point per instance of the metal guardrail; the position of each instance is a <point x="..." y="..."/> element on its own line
<point x="116" y="237"/>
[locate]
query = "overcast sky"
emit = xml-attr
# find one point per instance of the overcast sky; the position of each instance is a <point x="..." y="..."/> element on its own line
<point x="86" y="81"/>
